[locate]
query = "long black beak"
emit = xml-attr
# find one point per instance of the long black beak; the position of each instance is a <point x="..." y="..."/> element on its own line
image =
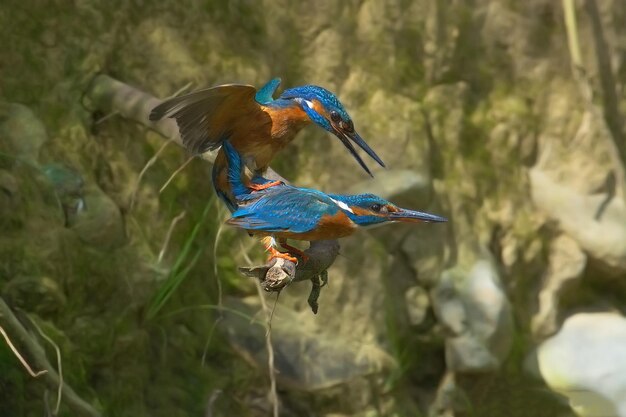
<point x="345" y="138"/>
<point x="411" y="216"/>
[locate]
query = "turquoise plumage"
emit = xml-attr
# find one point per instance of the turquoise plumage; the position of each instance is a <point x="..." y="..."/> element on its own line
<point x="287" y="212"/>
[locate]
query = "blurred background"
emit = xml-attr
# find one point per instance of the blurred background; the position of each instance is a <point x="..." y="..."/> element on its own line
<point x="505" y="116"/>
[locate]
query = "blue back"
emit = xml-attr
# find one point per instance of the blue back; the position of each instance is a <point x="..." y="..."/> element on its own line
<point x="278" y="208"/>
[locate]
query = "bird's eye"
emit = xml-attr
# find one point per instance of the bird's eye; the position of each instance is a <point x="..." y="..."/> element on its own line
<point x="376" y="207"/>
<point x="334" y="116"/>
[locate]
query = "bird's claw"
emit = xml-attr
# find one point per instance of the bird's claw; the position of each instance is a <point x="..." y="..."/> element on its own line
<point x="282" y="255"/>
<point x="324" y="278"/>
<point x="265" y="186"/>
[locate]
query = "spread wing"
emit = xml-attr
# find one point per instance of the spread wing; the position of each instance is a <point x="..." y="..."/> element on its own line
<point x="284" y="209"/>
<point x="205" y="117"/>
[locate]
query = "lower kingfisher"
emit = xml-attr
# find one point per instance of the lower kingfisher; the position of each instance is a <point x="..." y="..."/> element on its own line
<point x="256" y="124"/>
<point x="286" y="212"/>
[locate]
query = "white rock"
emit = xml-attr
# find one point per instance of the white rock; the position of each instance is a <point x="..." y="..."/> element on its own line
<point x="603" y="239"/>
<point x="473" y="306"/>
<point x="417" y="303"/>
<point x="567" y="263"/>
<point x="586" y="361"/>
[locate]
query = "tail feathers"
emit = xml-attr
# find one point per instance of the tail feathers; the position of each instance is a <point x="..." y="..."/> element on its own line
<point x="235" y="168"/>
<point x="265" y="95"/>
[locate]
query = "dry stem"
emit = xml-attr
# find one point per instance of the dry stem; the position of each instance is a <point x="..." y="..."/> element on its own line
<point x="51" y="377"/>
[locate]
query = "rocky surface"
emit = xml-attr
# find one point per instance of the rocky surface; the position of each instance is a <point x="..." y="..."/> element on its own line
<point x="474" y="109"/>
<point x="585" y="362"/>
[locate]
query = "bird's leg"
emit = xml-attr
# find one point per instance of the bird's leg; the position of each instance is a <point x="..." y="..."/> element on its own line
<point x="259" y="187"/>
<point x="291" y="249"/>
<point x="269" y="242"/>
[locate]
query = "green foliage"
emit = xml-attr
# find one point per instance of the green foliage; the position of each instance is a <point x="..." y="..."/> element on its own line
<point x="182" y="266"/>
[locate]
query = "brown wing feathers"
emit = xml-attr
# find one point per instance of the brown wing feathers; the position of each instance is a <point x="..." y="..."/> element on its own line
<point x="204" y="116"/>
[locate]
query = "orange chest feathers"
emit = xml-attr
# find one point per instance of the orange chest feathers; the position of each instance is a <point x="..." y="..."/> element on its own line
<point x="330" y="227"/>
<point x="261" y="139"/>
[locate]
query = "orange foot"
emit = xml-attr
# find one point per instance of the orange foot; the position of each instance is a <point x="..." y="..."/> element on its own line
<point x="259" y="187"/>
<point x="305" y="258"/>
<point x="277" y="254"/>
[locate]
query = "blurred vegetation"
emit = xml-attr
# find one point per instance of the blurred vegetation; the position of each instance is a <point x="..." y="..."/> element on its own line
<point x="464" y="94"/>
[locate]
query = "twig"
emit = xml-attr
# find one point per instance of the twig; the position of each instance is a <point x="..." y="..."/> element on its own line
<point x="218" y="235"/>
<point x="209" y="408"/>
<point x="116" y="112"/>
<point x="51" y="378"/>
<point x="151" y="162"/>
<point x="20" y="357"/>
<point x="175" y="173"/>
<point x="59" y="363"/>
<point x="168" y="236"/>
<point x="572" y="33"/>
<point x="106" y="117"/>
<point x="220" y="316"/>
<point x="273" y="395"/>
<point x="205" y="350"/>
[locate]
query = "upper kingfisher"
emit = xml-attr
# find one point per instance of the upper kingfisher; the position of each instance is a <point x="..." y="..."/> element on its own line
<point x="286" y="212"/>
<point x="256" y="124"/>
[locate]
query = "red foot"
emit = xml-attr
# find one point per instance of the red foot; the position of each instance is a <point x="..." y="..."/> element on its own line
<point x="259" y="187"/>
<point x="276" y="254"/>
<point x="305" y="258"/>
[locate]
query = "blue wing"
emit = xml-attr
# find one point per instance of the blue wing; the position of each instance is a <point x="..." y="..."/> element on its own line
<point x="284" y="208"/>
<point x="235" y="168"/>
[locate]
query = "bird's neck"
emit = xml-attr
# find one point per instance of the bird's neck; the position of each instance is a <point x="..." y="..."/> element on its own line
<point x="288" y="119"/>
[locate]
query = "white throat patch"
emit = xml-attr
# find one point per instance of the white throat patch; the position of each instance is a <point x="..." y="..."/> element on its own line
<point x="342" y="205"/>
<point x="307" y="102"/>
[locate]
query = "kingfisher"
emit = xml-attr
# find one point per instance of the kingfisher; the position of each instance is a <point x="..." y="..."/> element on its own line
<point x="257" y="125"/>
<point x="284" y="212"/>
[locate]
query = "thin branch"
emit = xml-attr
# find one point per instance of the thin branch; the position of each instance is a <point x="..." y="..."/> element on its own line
<point x="59" y="363"/>
<point x="51" y="378"/>
<point x="20" y="357"/>
<point x="273" y="395"/>
<point x="116" y="112"/>
<point x="174" y="174"/>
<point x="218" y="235"/>
<point x="151" y="162"/>
<point x="214" y="396"/>
<point x="168" y="236"/>
<point x="572" y="33"/>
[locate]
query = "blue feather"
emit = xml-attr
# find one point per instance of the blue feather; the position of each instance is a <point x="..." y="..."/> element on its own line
<point x="265" y="94"/>
<point x="235" y="168"/>
<point x="284" y="208"/>
<point x="314" y="92"/>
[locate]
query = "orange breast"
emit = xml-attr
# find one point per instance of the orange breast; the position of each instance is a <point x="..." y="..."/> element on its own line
<point x="260" y="138"/>
<point x="330" y="227"/>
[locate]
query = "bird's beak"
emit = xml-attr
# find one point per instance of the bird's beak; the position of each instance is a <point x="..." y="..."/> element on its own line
<point x="411" y="216"/>
<point x="346" y="137"/>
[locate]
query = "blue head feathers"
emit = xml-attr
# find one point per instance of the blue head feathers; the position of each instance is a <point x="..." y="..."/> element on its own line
<point x="325" y="110"/>
<point x="308" y="95"/>
<point x="370" y="210"/>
